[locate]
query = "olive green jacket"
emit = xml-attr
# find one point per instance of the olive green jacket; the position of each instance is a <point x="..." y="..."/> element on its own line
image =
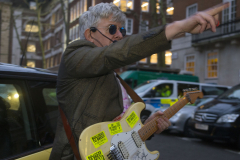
<point x="87" y="89"/>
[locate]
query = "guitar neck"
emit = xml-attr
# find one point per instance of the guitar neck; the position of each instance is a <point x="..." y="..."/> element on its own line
<point x="151" y="127"/>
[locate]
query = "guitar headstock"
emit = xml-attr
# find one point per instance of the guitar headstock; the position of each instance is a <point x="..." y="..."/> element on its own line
<point x="192" y="94"/>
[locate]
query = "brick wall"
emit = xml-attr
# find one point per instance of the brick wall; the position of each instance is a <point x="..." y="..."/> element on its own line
<point x="180" y="6"/>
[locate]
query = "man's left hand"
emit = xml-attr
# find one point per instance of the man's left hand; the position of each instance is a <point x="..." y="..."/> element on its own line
<point x="162" y="122"/>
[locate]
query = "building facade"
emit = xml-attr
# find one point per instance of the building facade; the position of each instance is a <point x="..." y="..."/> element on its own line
<point x="59" y="26"/>
<point x="5" y="17"/>
<point x="213" y="57"/>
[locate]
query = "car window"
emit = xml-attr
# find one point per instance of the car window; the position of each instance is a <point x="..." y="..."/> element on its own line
<point x="212" y="90"/>
<point x="17" y="134"/>
<point x="145" y="86"/>
<point x="162" y="90"/>
<point x="45" y="109"/>
<point x="49" y="96"/>
<point x="233" y="93"/>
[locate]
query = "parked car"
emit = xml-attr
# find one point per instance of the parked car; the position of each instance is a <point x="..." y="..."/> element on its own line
<point x="164" y="93"/>
<point x="180" y="120"/>
<point x="28" y="112"/>
<point x="219" y="118"/>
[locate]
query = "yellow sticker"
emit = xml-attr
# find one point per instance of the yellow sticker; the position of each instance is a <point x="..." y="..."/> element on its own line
<point x="115" y="128"/>
<point x="132" y="119"/>
<point x="96" y="156"/>
<point x="99" y="139"/>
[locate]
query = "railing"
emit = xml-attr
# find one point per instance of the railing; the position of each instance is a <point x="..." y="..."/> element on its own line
<point x="224" y="30"/>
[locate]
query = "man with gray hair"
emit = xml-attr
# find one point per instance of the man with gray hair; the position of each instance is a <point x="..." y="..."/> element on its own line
<point x="88" y="91"/>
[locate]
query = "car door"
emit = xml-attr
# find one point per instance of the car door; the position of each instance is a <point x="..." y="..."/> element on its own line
<point x="18" y="133"/>
<point x="45" y="111"/>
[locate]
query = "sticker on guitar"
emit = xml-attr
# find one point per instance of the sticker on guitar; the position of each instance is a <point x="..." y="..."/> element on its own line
<point x="99" y="139"/>
<point x="132" y="119"/>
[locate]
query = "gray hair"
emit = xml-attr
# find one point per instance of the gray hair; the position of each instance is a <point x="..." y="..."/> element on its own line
<point x="100" y="11"/>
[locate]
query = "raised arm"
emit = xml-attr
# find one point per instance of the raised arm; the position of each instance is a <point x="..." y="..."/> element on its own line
<point x="197" y="23"/>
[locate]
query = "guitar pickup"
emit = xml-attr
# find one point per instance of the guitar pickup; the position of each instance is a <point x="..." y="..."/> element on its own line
<point x="137" y="139"/>
<point x="114" y="154"/>
<point x="123" y="150"/>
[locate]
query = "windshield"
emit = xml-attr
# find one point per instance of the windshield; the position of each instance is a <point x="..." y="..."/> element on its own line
<point x="144" y="86"/>
<point x="233" y="93"/>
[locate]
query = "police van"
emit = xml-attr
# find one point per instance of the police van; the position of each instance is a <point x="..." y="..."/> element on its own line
<point x="164" y="93"/>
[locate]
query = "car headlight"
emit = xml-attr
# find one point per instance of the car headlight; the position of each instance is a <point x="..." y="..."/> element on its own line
<point x="228" y="118"/>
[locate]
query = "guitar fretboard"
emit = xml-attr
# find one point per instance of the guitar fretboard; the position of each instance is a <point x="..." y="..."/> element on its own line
<point x="151" y="127"/>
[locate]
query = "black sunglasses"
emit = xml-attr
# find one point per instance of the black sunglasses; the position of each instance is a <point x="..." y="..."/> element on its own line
<point x="113" y="29"/>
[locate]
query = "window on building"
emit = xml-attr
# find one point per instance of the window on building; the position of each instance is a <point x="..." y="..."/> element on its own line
<point x="77" y="31"/>
<point x="191" y="10"/>
<point x="190" y="63"/>
<point x="93" y="2"/>
<point x="158" y="6"/>
<point x="85" y="5"/>
<point x="59" y="57"/>
<point x="143" y="60"/>
<point x="212" y="65"/>
<point x="31" y="63"/>
<point x="31" y="27"/>
<point x="70" y="34"/>
<point x="144" y="26"/>
<point x="51" y="62"/>
<point x="71" y="14"/>
<point x="31" y="47"/>
<point x="129" y="26"/>
<point x="33" y="5"/>
<point x="47" y="62"/>
<point x="81" y="6"/>
<point x="229" y="14"/>
<point x="124" y="5"/>
<point x="78" y="10"/>
<point x="53" y="19"/>
<point x="154" y="58"/>
<point x="75" y="12"/>
<point x="168" y="58"/>
<point x="49" y="44"/>
<point x="170" y="11"/>
<point x="145" y="5"/>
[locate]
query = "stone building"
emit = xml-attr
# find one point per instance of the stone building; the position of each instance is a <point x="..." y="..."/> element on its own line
<point x="213" y="57"/>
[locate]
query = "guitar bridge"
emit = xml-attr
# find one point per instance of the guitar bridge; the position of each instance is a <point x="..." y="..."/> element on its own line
<point x="137" y="139"/>
<point x="114" y="154"/>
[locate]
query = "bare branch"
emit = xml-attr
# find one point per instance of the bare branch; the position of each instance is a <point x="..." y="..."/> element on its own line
<point x="25" y="1"/>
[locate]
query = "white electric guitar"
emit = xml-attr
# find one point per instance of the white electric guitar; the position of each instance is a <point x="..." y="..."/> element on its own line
<point x="125" y="139"/>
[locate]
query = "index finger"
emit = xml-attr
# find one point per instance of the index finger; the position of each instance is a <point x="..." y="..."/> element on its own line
<point x="216" y="9"/>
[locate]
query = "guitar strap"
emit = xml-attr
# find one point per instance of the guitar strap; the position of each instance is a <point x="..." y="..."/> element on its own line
<point x="69" y="134"/>
<point x="67" y="127"/>
<point x="130" y="91"/>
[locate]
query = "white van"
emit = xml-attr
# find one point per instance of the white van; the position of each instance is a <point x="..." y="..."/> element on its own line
<point x="164" y="93"/>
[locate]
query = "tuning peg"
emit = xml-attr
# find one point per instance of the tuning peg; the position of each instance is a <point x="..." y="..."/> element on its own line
<point x="190" y="89"/>
<point x="185" y="90"/>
